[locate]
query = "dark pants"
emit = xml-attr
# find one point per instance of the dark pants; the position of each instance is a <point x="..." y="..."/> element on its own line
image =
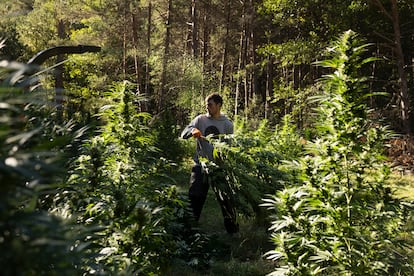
<point x="199" y="185"/>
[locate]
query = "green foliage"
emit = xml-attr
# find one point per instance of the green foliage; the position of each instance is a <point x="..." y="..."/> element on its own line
<point x="38" y="28"/>
<point x="292" y="52"/>
<point x="82" y="83"/>
<point x="336" y="215"/>
<point x="293" y="102"/>
<point x="119" y="180"/>
<point x="167" y="133"/>
<point x="119" y="183"/>
<point x="32" y="240"/>
<point x="186" y="85"/>
<point x="287" y="140"/>
<point x="13" y="48"/>
<point x="250" y="162"/>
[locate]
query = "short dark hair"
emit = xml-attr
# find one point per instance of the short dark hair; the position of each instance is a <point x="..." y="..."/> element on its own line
<point x="215" y="97"/>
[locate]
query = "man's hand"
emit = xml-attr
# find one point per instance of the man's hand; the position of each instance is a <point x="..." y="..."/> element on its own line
<point x="196" y="133"/>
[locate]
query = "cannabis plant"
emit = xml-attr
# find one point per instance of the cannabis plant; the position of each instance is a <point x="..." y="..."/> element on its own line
<point x="32" y="240"/>
<point x="336" y="215"/>
<point x="118" y="183"/>
<point x="249" y="161"/>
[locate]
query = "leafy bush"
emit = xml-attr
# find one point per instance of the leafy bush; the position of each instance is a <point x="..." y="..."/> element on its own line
<point x="337" y="215"/>
<point x="166" y="133"/>
<point x="32" y="240"/>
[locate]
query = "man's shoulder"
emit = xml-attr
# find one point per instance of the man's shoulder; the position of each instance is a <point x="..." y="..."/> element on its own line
<point x="207" y="118"/>
<point x="226" y="119"/>
<point x="201" y="117"/>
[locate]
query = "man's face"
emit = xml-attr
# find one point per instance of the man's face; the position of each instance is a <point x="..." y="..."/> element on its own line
<point x="213" y="108"/>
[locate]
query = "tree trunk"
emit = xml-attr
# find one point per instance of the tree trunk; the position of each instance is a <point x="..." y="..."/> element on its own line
<point x="404" y="99"/>
<point x="147" y="67"/>
<point x="189" y="40"/>
<point x="244" y="59"/>
<point x="402" y="77"/>
<point x="59" y="74"/>
<point x="269" y="85"/>
<point x="225" y="48"/>
<point x="251" y="51"/>
<point x="206" y="39"/>
<point x="135" y="43"/>
<point x="124" y="35"/>
<point x="194" y="29"/>
<point x="241" y="61"/>
<point x="167" y="40"/>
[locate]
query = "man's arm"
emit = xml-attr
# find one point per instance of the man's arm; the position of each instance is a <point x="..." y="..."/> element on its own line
<point x="191" y="130"/>
<point x="187" y="132"/>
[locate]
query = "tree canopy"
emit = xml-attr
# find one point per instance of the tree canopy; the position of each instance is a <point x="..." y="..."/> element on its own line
<point x="259" y="54"/>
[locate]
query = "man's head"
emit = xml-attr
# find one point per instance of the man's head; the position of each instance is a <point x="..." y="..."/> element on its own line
<point x="213" y="104"/>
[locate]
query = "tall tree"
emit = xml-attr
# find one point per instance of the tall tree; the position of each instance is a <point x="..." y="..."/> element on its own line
<point x="206" y="38"/>
<point x="241" y="60"/>
<point x="194" y="28"/>
<point x="223" y="65"/>
<point x="134" y="17"/>
<point x="206" y="30"/>
<point x="404" y="101"/>
<point x="161" y="100"/>
<point x="148" y="44"/>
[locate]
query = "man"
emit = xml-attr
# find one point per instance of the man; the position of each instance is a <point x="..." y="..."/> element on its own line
<point x="216" y="123"/>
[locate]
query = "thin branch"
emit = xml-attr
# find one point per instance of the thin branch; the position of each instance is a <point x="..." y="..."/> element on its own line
<point x="392" y="42"/>
<point x="382" y="8"/>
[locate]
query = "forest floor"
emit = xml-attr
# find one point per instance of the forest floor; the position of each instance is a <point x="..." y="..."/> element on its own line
<point x="401" y="154"/>
<point x="238" y="255"/>
<point x="243" y="254"/>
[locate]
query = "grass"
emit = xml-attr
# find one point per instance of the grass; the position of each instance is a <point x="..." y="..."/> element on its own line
<point x="240" y="254"/>
<point x="402" y="185"/>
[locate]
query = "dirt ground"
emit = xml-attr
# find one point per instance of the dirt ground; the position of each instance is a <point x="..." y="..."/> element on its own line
<point x="401" y="154"/>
